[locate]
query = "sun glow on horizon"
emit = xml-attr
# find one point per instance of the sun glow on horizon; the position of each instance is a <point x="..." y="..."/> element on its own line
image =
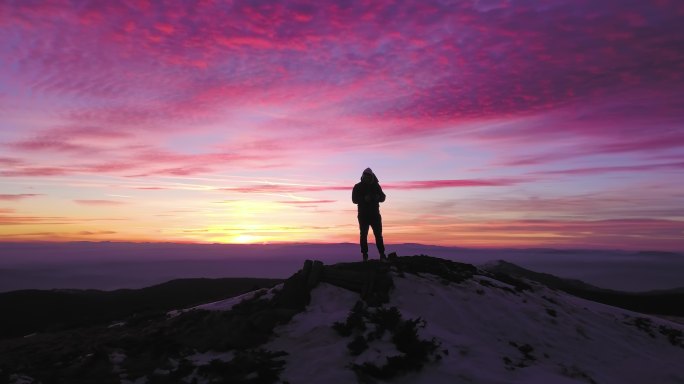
<point x="246" y="239"/>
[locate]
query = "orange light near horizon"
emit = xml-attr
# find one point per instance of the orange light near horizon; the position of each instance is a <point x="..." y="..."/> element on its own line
<point x="246" y="239"/>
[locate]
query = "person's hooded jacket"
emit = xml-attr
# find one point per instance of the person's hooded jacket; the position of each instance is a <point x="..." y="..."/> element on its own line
<point x="368" y="196"/>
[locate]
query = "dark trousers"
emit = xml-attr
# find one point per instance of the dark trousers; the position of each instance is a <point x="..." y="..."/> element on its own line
<point x="374" y="221"/>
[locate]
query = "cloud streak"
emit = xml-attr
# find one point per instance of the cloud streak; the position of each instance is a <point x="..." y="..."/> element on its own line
<point x="617" y="168"/>
<point x="434" y="184"/>
<point x="99" y="202"/>
<point x="15" y="197"/>
<point x="402" y="185"/>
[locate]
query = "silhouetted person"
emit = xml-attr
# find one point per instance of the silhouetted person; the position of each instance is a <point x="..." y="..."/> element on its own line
<point x="368" y="195"/>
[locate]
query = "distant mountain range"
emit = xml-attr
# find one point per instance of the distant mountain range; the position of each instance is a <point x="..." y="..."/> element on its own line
<point x="415" y="319"/>
<point x="115" y="265"/>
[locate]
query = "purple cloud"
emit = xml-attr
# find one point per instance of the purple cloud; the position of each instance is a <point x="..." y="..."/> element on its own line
<point x="432" y="184"/>
<point x="403" y="185"/>
<point x="617" y="168"/>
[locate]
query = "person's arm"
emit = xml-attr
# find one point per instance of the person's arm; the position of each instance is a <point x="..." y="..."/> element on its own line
<point x="356" y="198"/>
<point x="381" y="194"/>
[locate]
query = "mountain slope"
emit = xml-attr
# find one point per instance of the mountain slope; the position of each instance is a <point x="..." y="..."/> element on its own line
<point x="663" y="302"/>
<point x="414" y="320"/>
<point x="494" y="334"/>
<point x="29" y="311"/>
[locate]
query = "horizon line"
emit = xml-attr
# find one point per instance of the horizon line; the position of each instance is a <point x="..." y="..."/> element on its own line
<point x="295" y="243"/>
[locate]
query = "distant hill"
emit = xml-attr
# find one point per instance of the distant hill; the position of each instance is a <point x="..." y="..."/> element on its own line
<point x="661" y="302"/>
<point x="115" y="265"/>
<point x="29" y="311"/>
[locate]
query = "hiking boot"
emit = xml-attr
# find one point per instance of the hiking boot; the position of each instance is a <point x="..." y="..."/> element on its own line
<point x="383" y="257"/>
<point x="365" y="257"/>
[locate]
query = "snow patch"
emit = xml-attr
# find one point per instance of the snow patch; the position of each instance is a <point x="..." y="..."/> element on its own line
<point x="229" y="303"/>
<point x="493" y="333"/>
<point x="119" y="324"/>
<point x="21" y="379"/>
<point x="377" y="352"/>
<point x="315" y="352"/>
<point x="547" y="336"/>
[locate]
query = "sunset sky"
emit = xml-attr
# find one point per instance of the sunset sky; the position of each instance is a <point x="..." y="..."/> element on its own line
<point x="489" y="123"/>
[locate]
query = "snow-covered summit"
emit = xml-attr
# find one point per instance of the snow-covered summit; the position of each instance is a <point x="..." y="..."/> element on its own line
<point x="493" y="332"/>
<point x="427" y="320"/>
<point x="414" y="319"/>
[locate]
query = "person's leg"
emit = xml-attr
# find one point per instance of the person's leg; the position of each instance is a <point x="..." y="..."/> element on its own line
<point x="363" y="229"/>
<point x="376" y="224"/>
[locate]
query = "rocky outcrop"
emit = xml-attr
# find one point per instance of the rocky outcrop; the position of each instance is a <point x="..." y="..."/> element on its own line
<point x="372" y="280"/>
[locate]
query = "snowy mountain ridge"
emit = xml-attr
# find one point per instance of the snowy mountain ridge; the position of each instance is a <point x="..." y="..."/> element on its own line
<point x="413" y="320"/>
<point x="494" y="334"/>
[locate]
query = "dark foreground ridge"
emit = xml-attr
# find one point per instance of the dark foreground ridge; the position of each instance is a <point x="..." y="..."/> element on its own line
<point x="38" y="311"/>
<point x="163" y="347"/>
<point x="155" y="341"/>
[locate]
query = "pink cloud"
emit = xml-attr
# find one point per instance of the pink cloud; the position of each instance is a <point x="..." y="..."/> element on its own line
<point x="432" y="184"/>
<point x="20" y="196"/>
<point x="373" y="62"/>
<point x="176" y="171"/>
<point x="646" y="144"/>
<point x="541" y="159"/>
<point x="588" y="206"/>
<point x="99" y="202"/>
<point x="78" y="140"/>
<point x="87" y="132"/>
<point x="404" y="185"/>
<point x="520" y="32"/>
<point x="112" y="167"/>
<point x="617" y="168"/>
<point x="596" y="146"/>
<point x="35" y="172"/>
<point x="7" y="161"/>
<point x="46" y="144"/>
<point x="284" y="188"/>
<point x="134" y="160"/>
